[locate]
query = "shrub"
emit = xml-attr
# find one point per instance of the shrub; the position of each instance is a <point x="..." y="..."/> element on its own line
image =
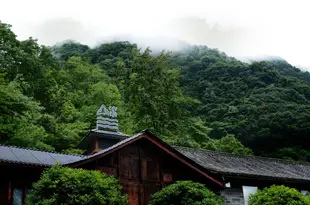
<point x="307" y="199"/>
<point x="277" y="195"/>
<point x="185" y="193"/>
<point x="67" y="186"/>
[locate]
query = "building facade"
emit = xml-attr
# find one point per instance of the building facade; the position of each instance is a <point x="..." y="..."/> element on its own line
<point x="145" y="164"/>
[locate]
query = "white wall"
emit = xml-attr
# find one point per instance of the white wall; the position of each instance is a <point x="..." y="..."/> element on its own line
<point x="247" y="191"/>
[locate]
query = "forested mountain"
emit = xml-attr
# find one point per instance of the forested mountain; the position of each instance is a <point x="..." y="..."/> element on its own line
<point x="197" y="97"/>
<point x="265" y="104"/>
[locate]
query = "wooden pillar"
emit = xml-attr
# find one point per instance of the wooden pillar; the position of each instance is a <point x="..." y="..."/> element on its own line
<point x="141" y="188"/>
<point x="25" y="195"/>
<point x="117" y="164"/>
<point x="9" y="192"/>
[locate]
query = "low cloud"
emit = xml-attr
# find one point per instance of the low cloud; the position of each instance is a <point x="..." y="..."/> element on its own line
<point x="238" y="41"/>
<point x="56" y="30"/>
<point x="234" y="40"/>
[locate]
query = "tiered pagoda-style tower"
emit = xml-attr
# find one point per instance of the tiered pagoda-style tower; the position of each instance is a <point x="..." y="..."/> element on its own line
<point x="106" y="133"/>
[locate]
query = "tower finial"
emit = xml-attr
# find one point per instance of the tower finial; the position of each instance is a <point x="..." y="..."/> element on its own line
<point x="106" y="118"/>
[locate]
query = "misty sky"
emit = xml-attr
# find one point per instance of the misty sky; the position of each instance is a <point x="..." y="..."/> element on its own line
<point x="241" y="28"/>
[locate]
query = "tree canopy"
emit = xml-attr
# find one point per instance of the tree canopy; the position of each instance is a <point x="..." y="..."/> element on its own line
<point x="278" y="195"/>
<point x="68" y="186"/>
<point x="186" y="193"/>
<point x="197" y="97"/>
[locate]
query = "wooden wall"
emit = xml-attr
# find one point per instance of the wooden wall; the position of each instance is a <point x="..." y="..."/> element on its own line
<point x="144" y="169"/>
<point x="4" y="188"/>
<point x="16" y="177"/>
<point x="141" y="167"/>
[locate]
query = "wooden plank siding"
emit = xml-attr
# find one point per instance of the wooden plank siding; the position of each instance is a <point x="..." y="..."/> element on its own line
<point x="143" y="169"/>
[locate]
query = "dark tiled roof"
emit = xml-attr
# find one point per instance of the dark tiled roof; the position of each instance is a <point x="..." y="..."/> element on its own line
<point x="249" y="166"/>
<point x="218" y="162"/>
<point x="17" y="155"/>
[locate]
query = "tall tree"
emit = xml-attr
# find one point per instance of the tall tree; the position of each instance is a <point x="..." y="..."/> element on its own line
<point x="19" y="117"/>
<point x="154" y="93"/>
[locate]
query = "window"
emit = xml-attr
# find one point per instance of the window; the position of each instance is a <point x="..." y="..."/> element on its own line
<point x="17" y="198"/>
<point x="247" y="191"/>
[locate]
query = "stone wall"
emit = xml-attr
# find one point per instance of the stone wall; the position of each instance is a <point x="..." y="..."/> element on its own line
<point x="233" y="196"/>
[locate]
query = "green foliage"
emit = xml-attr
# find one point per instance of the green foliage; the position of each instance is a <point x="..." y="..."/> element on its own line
<point x="49" y="104"/>
<point x="292" y="153"/>
<point x="196" y="134"/>
<point x="197" y="97"/>
<point x="18" y="119"/>
<point x="68" y="92"/>
<point x="67" y="186"/>
<point x="278" y="195"/>
<point x="192" y="134"/>
<point x="307" y="198"/>
<point x="9" y="51"/>
<point x="155" y="95"/>
<point x="186" y="193"/>
<point x="264" y="104"/>
<point x="228" y="144"/>
<point x="69" y="49"/>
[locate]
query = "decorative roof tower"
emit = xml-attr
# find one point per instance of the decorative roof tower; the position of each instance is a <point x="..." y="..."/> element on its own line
<point x="106" y="133"/>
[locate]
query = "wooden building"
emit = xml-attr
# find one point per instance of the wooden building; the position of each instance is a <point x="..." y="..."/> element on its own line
<point x="144" y="164"/>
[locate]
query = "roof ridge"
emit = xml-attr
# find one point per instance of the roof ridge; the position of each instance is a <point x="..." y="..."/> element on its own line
<point x="247" y="156"/>
<point x="109" y="148"/>
<point x="34" y="149"/>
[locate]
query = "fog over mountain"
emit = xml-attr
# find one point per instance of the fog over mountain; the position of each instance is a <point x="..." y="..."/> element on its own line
<point x="240" y="28"/>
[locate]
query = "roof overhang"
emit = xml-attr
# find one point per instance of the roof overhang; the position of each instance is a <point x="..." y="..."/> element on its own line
<point x="265" y="178"/>
<point x="95" y="133"/>
<point x="23" y="165"/>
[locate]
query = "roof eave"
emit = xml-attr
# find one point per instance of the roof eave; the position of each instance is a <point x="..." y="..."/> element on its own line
<point x="261" y="177"/>
<point x="21" y="164"/>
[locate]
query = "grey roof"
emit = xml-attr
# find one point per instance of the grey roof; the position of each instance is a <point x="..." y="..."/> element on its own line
<point x="17" y="155"/>
<point x="218" y="162"/>
<point x="249" y="166"/>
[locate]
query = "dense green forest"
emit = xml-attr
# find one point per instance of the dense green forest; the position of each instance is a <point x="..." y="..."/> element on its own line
<point x="197" y="97"/>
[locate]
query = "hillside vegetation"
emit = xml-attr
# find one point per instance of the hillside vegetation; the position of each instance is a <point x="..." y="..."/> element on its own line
<point x="197" y="97"/>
